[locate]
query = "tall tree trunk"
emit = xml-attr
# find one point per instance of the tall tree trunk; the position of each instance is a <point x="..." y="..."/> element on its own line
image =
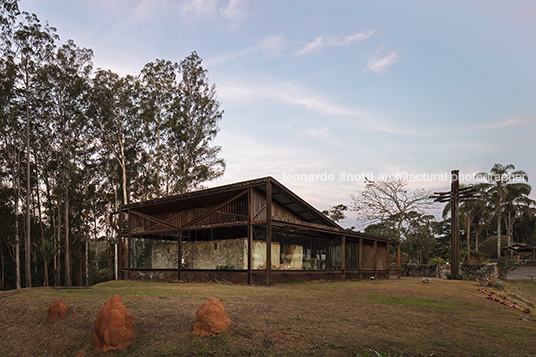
<point x="2" y="287"/>
<point x="68" y="280"/>
<point x="87" y="261"/>
<point x="17" y="235"/>
<point x="57" y="254"/>
<point x="45" y="262"/>
<point x="27" y="240"/>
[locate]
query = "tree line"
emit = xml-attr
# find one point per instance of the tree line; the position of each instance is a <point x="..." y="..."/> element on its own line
<point x="78" y="142"/>
<point x="502" y="214"/>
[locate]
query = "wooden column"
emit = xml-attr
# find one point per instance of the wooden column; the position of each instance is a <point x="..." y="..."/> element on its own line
<point x="360" y="258"/>
<point x="179" y="254"/>
<point x="343" y="257"/>
<point x="129" y="256"/>
<point x="120" y="246"/>
<point x="268" y="231"/>
<point x="250" y="234"/>
<point x="375" y="256"/>
<point x="399" y="261"/>
<point x="387" y="259"/>
<point x="455" y="224"/>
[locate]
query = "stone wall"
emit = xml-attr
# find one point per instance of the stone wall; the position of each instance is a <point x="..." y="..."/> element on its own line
<point x="422" y="270"/>
<point x="164" y="256"/>
<point x="225" y="254"/>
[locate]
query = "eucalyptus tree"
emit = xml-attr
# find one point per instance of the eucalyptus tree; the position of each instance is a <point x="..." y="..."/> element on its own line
<point x="33" y="46"/>
<point x="499" y="181"/>
<point x="9" y="136"/>
<point x="68" y="80"/>
<point x="194" y="127"/>
<point x="158" y="82"/>
<point x="116" y="123"/>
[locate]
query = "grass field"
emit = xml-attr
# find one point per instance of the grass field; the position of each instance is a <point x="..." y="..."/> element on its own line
<point x="440" y="318"/>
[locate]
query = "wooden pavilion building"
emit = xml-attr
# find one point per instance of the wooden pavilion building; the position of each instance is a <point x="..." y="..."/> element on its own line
<point x="229" y="233"/>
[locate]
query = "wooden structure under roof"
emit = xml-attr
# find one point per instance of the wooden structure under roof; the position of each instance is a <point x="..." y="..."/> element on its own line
<point x="262" y="213"/>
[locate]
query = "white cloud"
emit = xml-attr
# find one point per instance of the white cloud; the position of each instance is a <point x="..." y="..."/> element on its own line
<point x="270" y="46"/>
<point x="234" y="11"/>
<point x="379" y="63"/>
<point x="324" y="41"/>
<point x="236" y="92"/>
<point x="510" y="122"/>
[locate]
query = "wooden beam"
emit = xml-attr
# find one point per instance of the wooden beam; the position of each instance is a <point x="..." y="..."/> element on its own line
<point x="214" y="209"/>
<point x="154" y="219"/>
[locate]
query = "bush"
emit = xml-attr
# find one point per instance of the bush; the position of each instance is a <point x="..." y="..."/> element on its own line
<point x="505" y="264"/>
<point x="103" y="276"/>
<point x="498" y="285"/>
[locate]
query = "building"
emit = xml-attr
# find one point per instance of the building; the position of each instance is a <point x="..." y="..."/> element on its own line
<point x="229" y="233"/>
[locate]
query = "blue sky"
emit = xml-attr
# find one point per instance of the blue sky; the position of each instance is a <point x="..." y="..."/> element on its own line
<point x="329" y="87"/>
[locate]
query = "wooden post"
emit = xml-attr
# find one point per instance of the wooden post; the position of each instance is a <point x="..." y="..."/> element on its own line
<point x="360" y="258"/>
<point x="375" y="256"/>
<point x="179" y="255"/>
<point x="388" y="259"/>
<point x="129" y="238"/>
<point x="120" y="246"/>
<point x="268" y="231"/>
<point x="399" y="261"/>
<point x="455" y="226"/>
<point x="250" y="234"/>
<point x="343" y="257"/>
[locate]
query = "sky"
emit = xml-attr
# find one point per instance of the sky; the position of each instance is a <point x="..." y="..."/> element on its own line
<point x="321" y="94"/>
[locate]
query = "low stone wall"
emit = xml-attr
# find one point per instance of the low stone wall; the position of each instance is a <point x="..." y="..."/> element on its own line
<point x="471" y="269"/>
<point x="422" y="271"/>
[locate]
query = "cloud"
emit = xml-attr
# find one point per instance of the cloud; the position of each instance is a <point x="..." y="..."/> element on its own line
<point x="234" y="11"/>
<point x="510" y="122"/>
<point x="236" y="93"/>
<point x="324" y="41"/>
<point x="269" y="47"/>
<point x="379" y="63"/>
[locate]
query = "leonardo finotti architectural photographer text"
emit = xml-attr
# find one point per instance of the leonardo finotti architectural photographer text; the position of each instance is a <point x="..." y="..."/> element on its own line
<point x="405" y="176"/>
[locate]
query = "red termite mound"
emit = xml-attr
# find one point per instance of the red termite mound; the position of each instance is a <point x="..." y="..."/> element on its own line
<point x="211" y="319"/>
<point x="57" y="310"/>
<point x="114" y="327"/>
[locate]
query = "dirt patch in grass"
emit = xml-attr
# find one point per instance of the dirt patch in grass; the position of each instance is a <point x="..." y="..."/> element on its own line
<point x="443" y="318"/>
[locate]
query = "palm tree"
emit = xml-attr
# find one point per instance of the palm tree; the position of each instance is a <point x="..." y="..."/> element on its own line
<point x="500" y="180"/>
<point x="468" y="211"/>
<point x="516" y="204"/>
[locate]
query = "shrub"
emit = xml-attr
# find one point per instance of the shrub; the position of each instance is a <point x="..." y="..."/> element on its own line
<point x="103" y="276"/>
<point x="505" y="264"/>
<point x="498" y="285"/>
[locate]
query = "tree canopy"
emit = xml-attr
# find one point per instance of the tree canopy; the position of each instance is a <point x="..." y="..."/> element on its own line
<point x="77" y="143"/>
